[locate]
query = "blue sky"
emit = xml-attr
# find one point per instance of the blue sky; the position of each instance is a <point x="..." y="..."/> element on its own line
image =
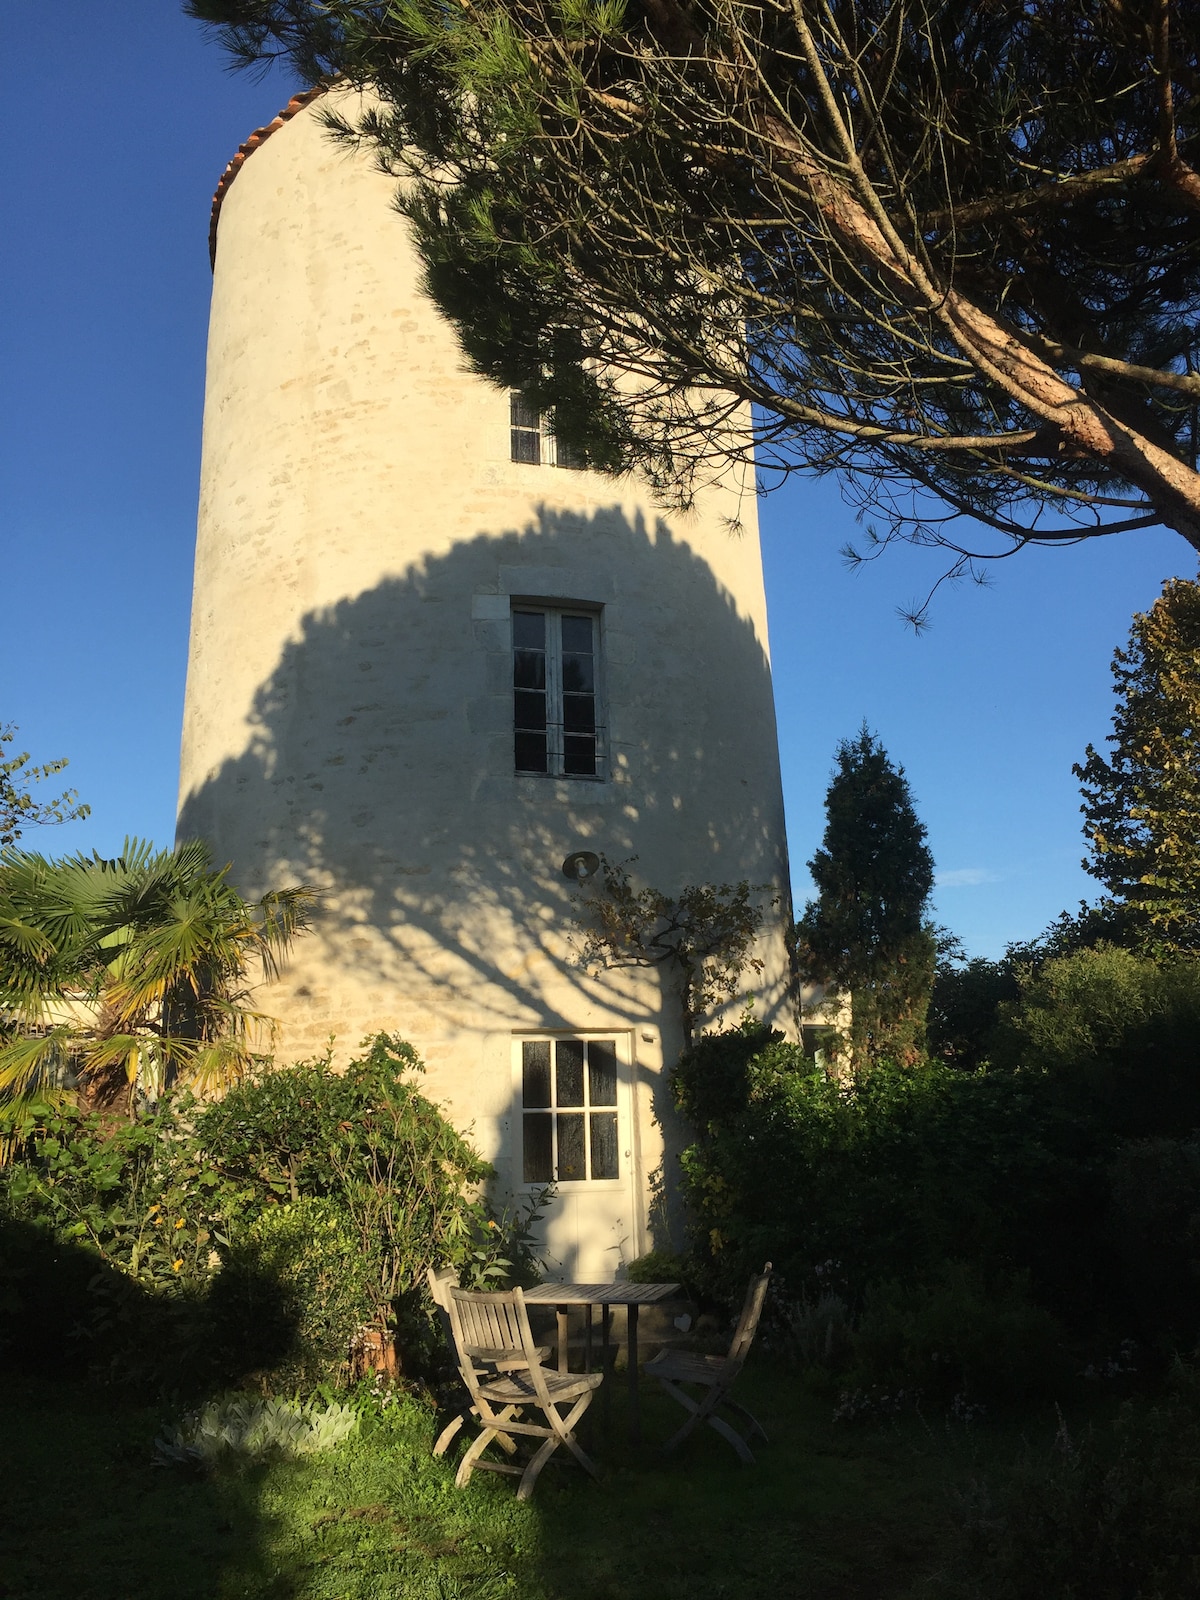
<point x="119" y="119"/>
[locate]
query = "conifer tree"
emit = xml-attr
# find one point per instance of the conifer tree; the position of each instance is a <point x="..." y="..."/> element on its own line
<point x="1142" y="806"/>
<point x="867" y="933"/>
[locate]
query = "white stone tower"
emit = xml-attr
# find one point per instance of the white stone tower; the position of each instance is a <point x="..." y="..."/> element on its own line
<point x="395" y="588"/>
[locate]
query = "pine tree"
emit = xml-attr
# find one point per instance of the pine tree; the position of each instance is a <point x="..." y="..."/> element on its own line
<point x="867" y="933"/>
<point x="1142" y="806"/>
<point x="951" y="249"/>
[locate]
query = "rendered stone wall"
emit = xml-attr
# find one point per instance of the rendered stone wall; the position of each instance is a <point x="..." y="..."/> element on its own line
<point x="362" y="532"/>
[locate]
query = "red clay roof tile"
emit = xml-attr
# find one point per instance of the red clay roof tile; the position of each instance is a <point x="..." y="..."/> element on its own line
<point x="259" y="136"/>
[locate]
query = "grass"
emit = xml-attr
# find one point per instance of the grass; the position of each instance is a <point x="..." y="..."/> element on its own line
<point x="830" y="1512"/>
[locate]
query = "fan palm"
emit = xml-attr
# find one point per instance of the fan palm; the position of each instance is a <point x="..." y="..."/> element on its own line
<point x="132" y="973"/>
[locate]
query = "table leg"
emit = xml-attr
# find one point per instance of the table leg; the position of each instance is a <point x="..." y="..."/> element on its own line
<point x="605" y="1330"/>
<point x="563" y="1348"/>
<point x="635" y="1420"/>
<point x="587" y="1341"/>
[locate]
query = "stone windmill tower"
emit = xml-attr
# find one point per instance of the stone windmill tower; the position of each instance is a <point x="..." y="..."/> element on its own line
<point x="429" y="661"/>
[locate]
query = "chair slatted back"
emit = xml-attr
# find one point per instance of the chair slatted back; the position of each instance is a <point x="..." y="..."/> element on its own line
<point x="441" y="1280"/>
<point x="489" y="1330"/>
<point x="743" y="1338"/>
<point x="488" y="1321"/>
<point x="496" y="1321"/>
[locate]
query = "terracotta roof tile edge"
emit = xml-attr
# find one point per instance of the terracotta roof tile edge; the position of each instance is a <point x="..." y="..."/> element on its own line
<point x="260" y="136"/>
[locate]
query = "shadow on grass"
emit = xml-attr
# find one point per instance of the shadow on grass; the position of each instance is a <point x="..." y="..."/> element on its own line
<point x="88" y="1515"/>
<point x="827" y="1514"/>
<point x="85" y="1511"/>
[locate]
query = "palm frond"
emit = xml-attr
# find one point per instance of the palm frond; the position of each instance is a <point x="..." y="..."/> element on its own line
<point x="36" y="1063"/>
<point x="155" y="948"/>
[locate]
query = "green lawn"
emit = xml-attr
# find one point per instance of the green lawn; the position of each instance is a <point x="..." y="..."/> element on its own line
<point x="831" y="1512"/>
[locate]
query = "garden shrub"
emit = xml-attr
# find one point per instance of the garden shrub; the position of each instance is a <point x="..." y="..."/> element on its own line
<point x="366" y="1137"/>
<point x="291" y="1294"/>
<point x="1067" y="1173"/>
<point x="240" y="1425"/>
<point x="894" y="1175"/>
<point x="1118" y="1036"/>
<point x="157" y="1205"/>
<point x="713" y="1081"/>
<point x="958" y="1335"/>
<point x="406" y="1180"/>
<point x="963" y="1009"/>
<point x="815" y="1331"/>
<point x="663" y="1266"/>
<point x="106" y="1241"/>
<point x="62" y="1308"/>
<point x="1154" y="1219"/>
<point x="1111" y="1515"/>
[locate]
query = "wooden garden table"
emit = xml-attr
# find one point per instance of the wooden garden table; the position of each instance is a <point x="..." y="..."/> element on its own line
<point x="562" y="1296"/>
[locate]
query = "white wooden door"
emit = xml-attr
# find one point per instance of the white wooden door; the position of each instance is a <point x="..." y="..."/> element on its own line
<point x="573" y="1128"/>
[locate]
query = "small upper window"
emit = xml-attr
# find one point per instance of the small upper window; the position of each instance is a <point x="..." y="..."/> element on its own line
<point x="532" y="438"/>
<point x="555" y="692"/>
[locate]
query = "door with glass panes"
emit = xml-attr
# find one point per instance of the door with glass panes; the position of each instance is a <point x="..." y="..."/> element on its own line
<point x="574" y="1131"/>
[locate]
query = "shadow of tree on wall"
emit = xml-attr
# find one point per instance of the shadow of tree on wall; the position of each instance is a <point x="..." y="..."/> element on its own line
<point x="378" y="761"/>
<point x="378" y="765"/>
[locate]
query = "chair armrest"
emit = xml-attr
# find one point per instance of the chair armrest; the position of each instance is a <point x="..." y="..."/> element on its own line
<point x="503" y="1359"/>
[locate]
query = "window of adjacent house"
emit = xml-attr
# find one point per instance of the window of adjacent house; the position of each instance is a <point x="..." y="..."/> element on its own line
<point x="569" y="1110"/>
<point x="532" y="438"/>
<point x="818" y="1041"/>
<point x="555" y="660"/>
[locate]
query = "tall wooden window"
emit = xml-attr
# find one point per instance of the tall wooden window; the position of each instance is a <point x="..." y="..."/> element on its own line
<point x="556" y="730"/>
<point x="569" y="1110"/>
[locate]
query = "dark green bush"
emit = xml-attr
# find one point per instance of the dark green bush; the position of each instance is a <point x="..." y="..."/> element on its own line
<point x="1112" y="1515"/>
<point x="959" y="1335"/>
<point x="893" y="1176"/>
<point x="107" y="1235"/>
<point x="1154" y="1218"/>
<point x="963" y="1010"/>
<point x="1067" y="1172"/>
<point x="713" y="1081"/>
<point x="159" y="1204"/>
<point x="1118" y="1036"/>
<point x="291" y="1294"/>
<point x="663" y="1266"/>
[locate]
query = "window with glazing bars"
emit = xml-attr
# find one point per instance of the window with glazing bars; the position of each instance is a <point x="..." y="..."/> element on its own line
<point x="532" y="438"/>
<point x="569" y="1110"/>
<point x="555" y="661"/>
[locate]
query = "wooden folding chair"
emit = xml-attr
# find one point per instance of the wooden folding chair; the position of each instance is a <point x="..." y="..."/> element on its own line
<point x="491" y="1326"/>
<point x="715" y="1375"/>
<point x="441" y="1280"/>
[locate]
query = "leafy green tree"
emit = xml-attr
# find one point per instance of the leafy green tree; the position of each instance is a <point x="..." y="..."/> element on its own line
<point x="1114" y="1035"/>
<point x="703" y="937"/>
<point x="132" y="973"/>
<point x="19" y="809"/>
<point x="968" y="996"/>
<point x="963" y="1008"/>
<point x="1142" y="805"/>
<point x="954" y="248"/>
<point x="867" y="933"/>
